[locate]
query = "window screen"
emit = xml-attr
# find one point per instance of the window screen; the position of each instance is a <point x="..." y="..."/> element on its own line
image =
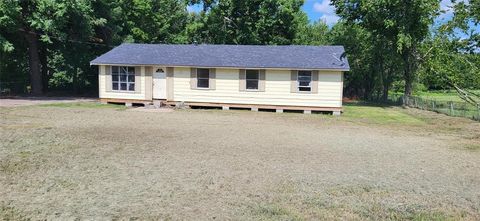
<point x="251" y="78"/>
<point x="123" y="78"/>
<point x="203" y="76"/>
<point x="304" y="81"/>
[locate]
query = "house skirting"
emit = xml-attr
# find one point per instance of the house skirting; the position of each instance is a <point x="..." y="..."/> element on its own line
<point x="125" y="101"/>
<point x="227" y="106"/>
<point x="258" y="106"/>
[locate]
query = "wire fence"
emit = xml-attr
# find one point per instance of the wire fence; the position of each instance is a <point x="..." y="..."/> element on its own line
<point x="13" y="87"/>
<point x="450" y="108"/>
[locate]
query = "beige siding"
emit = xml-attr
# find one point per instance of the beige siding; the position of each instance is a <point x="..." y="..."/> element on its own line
<point x="148" y="82"/>
<point x="277" y="89"/>
<point x="142" y="83"/>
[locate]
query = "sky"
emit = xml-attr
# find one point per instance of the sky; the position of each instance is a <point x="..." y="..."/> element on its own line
<point x="320" y="9"/>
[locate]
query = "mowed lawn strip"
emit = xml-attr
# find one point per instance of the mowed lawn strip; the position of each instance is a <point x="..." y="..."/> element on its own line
<point x="94" y="161"/>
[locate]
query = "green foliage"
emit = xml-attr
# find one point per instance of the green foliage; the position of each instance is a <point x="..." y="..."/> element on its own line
<point x="441" y="95"/>
<point x="390" y="44"/>
<point x="356" y="40"/>
<point x="446" y="63"/>
<point x="251" y="22"/>
<point x="7" y="11"/>
<point x="399" y="25"/>
<point x="316" y="33"/>
<point x="161" y="21"/>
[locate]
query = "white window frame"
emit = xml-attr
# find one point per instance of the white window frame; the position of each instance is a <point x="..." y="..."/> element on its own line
<point x="208" y="78"/>
<point x="251" y="79"/>
<point x="309" y="84"/>
<point x="123" y="70"/>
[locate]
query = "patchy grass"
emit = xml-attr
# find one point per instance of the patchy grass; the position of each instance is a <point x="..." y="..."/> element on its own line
<point x="447" y="95"/>
<point x="9" y="213"/>
<point x="373" y="163"/>
<point x="83" y="105"/>
<point x="354" y="202"/>
<point x="474" y="147"/>
<point x="274" y="212"/>
<point x="378" y="114"/>
<point x="351" y="202"/>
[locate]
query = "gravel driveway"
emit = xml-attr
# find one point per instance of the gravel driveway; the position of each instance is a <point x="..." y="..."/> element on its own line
<point x="107" y="163"/>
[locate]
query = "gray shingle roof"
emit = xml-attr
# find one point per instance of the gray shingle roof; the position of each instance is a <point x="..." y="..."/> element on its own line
<point x="239" y="56"/>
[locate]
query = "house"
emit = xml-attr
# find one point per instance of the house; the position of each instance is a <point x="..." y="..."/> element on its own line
<point x="307" y="78"/>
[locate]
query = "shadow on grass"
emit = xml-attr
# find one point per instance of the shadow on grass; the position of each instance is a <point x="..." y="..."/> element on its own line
<point x="84" y="105"/>
<point x="369" y="104"/>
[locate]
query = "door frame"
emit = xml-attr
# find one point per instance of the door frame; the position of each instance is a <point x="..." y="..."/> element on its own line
<point x="155" y="68"/>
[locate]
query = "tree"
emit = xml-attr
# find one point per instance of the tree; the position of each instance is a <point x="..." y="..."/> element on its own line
<point x="161" y="21"/>
<point x="405" y="23"/>
<point x="361" y="80"/>
<point x="252" y="22"/>
<point x="316" y="33"/>
<point x="39" y="22"/>
<point x="23" y="17"/>
<point x="451" y="59"/>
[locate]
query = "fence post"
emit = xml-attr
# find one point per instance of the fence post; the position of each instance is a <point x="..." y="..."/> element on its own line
<point x="433" y="105"/>
<point x="478" y="112"/>
<point x="451" y="109"/>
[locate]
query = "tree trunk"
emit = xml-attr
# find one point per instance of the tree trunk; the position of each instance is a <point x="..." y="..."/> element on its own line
<point x="407" y="75"/>
<point x="385" y="92"/>
<point x="387" y="82"/>
<point x="44" y="68"/>
<point x="75" y="81"/>
<point x="34" y="64"/>
<point x="408" y="86"/>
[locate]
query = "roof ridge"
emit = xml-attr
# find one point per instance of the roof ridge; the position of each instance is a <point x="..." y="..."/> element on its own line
<point x="292" y="45"/>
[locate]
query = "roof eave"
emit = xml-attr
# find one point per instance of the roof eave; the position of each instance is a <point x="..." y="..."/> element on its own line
<point x="226" y="67"/>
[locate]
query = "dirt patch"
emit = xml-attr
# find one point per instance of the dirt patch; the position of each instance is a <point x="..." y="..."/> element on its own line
<point x="24" y="101"/>
<point x="107" y="163"/>
<point x="151" y="110"/>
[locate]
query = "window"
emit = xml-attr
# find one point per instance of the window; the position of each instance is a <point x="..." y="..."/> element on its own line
<point x="304" y="81"/>
<point x="123" y="78"/>
<point x="251" y="78"/>
<point x="203" y="76"/>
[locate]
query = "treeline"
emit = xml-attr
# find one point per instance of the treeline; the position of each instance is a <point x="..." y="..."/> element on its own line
<point x="46" y="45"/>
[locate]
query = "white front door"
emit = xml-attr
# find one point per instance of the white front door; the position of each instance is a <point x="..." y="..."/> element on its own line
<point x="159" y="84"/>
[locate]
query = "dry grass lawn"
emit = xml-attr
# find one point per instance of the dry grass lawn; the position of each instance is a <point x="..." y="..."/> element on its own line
<point x="90" y="161"/>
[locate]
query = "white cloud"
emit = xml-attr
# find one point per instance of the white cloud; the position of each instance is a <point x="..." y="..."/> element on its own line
<point x="330" y="19"/>
<point x="327" y="10"/>
<point x="323" y="7"/>
<point x="447" y="7"/>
